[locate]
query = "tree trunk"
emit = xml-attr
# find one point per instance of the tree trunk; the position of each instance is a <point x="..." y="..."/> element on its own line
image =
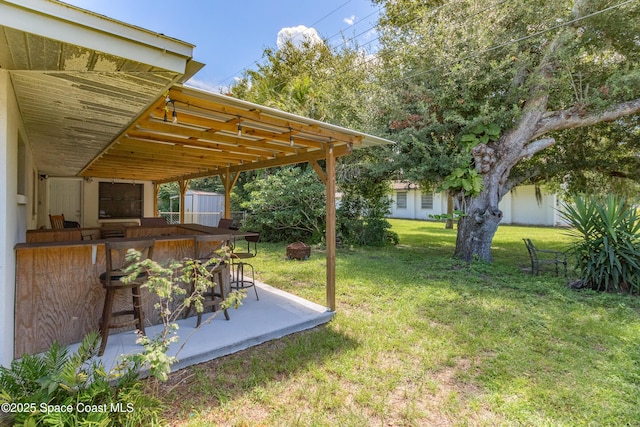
<point x="475" y="233"/>
<point x="449" y="224"/>
<point x="477" y="228"/>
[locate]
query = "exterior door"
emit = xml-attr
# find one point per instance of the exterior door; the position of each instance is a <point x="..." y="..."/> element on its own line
<point x="65" y="197"/>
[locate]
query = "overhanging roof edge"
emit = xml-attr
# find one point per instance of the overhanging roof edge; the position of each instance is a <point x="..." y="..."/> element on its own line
<point x="70" y="24"/>
<point x="367" y="139"/>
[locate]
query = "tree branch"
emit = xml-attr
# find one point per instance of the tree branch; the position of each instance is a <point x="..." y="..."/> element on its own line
<point x="514" y="181"/>
<point x="573" y="118"/>
<point x="534" y="146"/>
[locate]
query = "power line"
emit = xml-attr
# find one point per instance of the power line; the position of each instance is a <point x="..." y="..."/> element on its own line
<point x="518" y="40"/>
<point x="432" y="12"/>
<point x="310" y="27"/>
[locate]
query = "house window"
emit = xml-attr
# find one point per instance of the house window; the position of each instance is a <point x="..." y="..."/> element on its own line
<point x="120" y="200"/>
<point x="401" y="200"/>
<point x="426" y="201"/>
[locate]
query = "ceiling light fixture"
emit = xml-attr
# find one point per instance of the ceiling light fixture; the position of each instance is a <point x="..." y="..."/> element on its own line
<point x="174" y="114"/>
<point x="239" y="127"/>
<point x="290" y="137"/>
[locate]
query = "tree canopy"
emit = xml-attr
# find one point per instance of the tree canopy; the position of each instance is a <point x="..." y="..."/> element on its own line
<point x="534" y="70"/>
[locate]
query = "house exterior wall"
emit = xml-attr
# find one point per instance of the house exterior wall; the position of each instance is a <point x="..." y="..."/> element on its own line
<point x="414" y="208"/>
<point x="90" y="195"/>
<point x="519" y="206"/>
<point x="525" y="209"/>
<point x="15" y="210"/>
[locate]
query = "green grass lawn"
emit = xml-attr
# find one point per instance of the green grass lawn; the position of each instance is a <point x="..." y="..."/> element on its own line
<point x="422" y="339"/>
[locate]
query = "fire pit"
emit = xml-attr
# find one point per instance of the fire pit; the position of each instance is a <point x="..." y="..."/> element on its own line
<point x="298" y="250"/>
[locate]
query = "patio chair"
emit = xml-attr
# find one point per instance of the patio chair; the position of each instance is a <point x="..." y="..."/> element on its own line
<point x="205" y="247"/>
<point x="57" y="221"/>
<point x="227" y="223"/>
<point x="115" y="253"/>
<point x="542" y="259"/>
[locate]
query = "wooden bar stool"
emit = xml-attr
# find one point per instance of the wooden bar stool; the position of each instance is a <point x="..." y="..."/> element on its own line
<point x="205" y="247"/>
<point x="115" y="254"/>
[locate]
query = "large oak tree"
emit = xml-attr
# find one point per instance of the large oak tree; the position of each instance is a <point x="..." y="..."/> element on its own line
<point x="482" y="85"/>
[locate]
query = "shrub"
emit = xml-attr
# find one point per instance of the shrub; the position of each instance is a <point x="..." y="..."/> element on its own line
<point x="361" y="215"/>
<point x="62" y="389"/>
<point x="607" y="251"/>
<point x="288" y="205"/>
<point x="41" y="387"/>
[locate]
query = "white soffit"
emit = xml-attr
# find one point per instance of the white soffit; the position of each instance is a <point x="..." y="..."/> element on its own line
<point x="68" y="24"/>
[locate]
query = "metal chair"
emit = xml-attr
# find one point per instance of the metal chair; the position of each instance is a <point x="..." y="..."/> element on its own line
<point x="238" y="281"/>
<point x="205" y="247"/>
<point x="540" y="258"/>
<point x="238" y="264"/>
<point x="111" y="279"/>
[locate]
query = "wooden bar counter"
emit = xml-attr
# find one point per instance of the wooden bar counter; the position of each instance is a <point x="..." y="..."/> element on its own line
<point x="58" y="292"/>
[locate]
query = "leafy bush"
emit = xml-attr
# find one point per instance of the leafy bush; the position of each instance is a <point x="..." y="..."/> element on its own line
<point x="608" y="249"/>
<point x="288" y="205"/>
<point x="354" y="229"/>
<point x="62" y="389"/>
<point x="364" y="204"/>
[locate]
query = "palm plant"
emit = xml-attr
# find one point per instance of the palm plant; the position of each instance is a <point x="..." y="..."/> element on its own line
<point x="607" y="249"/>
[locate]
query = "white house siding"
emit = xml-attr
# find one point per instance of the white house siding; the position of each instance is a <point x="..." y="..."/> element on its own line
<point x="525" y="209"/>
<point x="414" y="208"/>
<point x="518" y="206"/>
<point x="16" y="211"/>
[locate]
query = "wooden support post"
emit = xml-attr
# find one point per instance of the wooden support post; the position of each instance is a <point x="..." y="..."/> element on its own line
<point x="156" y="191"/>
<point x="331" y="227"/>
<point x="228" y="179"/>
<point x="184" y="185"/>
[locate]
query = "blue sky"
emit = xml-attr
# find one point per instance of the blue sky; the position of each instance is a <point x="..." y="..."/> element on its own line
<point x="231" y="35"/>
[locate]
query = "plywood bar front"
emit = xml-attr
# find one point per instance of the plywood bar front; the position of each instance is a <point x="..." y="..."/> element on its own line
<point x="58" y="292"/>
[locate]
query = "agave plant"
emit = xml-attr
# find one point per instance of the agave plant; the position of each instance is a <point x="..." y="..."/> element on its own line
<point x="607" y="247"/>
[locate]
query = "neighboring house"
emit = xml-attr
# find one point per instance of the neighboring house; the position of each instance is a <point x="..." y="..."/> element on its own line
<point x="519" y="206"/>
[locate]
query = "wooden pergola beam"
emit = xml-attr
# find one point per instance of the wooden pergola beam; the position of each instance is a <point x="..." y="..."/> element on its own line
<point x="184" y="186"/>
<point x="228" y="179"/>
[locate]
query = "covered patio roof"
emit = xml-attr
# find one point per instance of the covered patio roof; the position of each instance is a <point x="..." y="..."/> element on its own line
<point x="93" y="93"/>
<point x="97" y="98"/>
<point x="214" y="134"/>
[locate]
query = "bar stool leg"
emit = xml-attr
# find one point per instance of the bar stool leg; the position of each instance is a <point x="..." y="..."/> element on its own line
<point x="213" y="296"/>
<point x="137" y="307"/>
<point x="222" y="292"/>
<point x="106" y="319"/>
<point x="238" y="281"/>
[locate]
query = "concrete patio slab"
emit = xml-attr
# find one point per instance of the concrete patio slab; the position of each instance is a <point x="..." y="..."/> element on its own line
<point x="275" y="315"/>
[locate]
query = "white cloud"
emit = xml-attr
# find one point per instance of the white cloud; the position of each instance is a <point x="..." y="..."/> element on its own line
<point x="297" y="35"/>
<point x="350" y="20"/>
